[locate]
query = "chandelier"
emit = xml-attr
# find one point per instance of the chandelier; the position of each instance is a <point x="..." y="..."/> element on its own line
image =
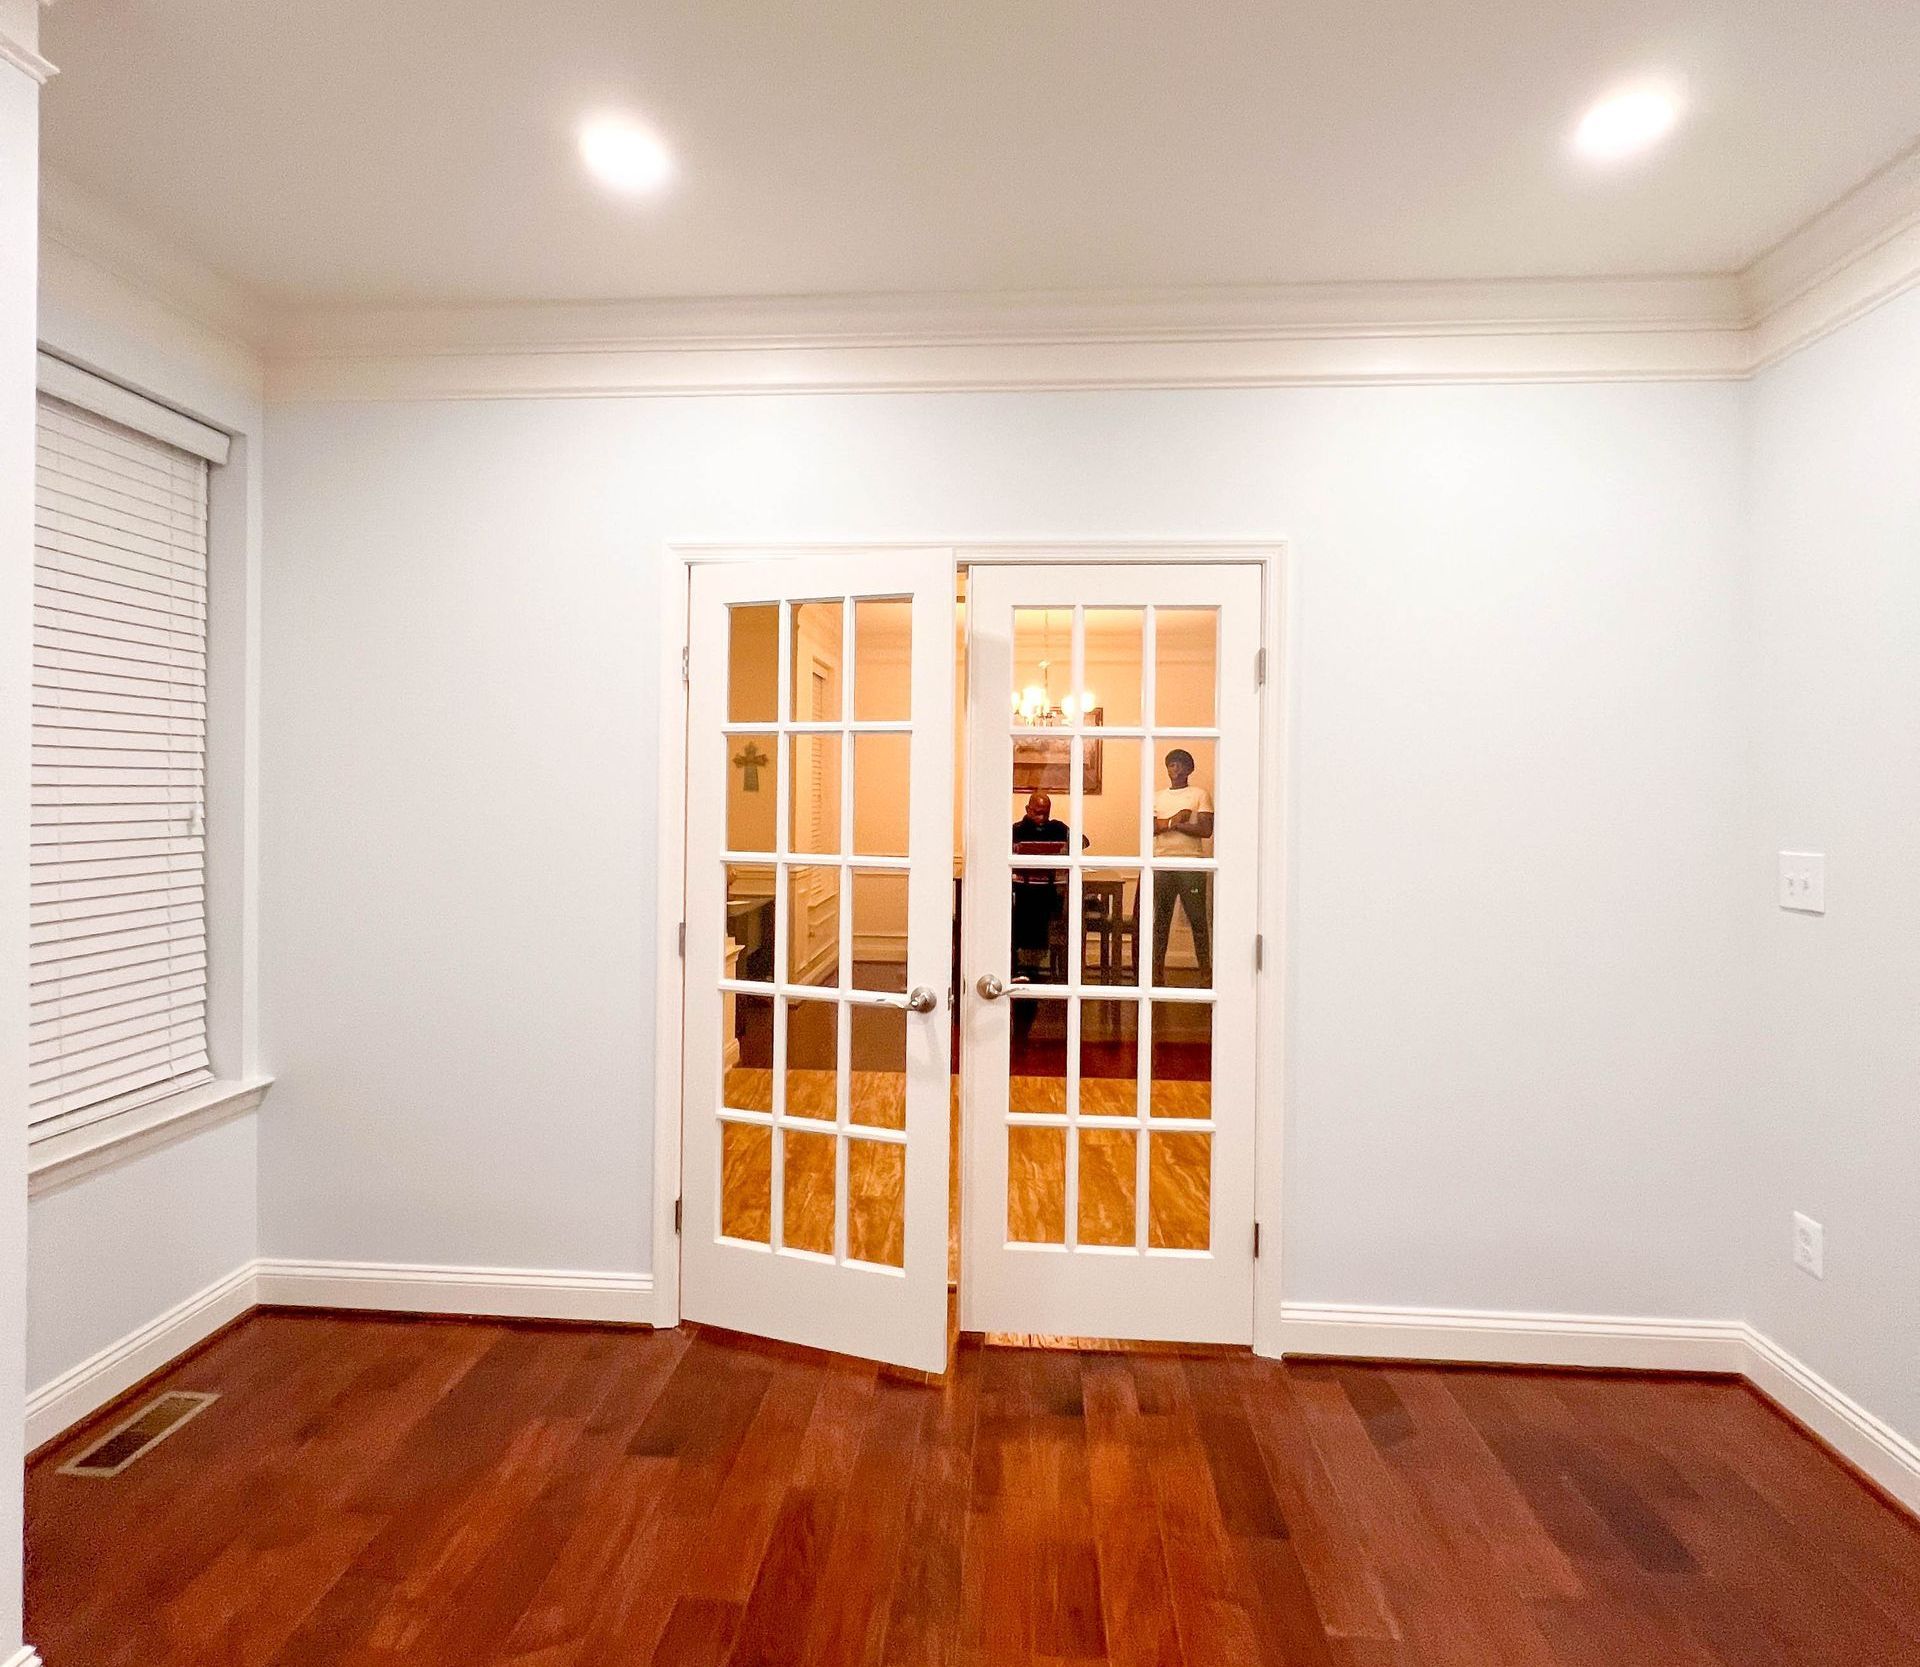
<point x="1035" y="706"/>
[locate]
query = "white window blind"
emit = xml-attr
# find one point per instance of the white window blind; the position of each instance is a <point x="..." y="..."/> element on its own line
<point x="119" y="769"/>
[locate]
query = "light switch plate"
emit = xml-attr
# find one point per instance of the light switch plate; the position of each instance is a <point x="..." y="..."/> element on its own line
<point x="1803" y="881"/>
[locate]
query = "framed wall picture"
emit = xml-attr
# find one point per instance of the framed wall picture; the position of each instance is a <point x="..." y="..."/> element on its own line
<point x="1043" y="763"/>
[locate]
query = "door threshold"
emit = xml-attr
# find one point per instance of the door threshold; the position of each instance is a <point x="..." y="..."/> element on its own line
<point x="1100" y="1345"/>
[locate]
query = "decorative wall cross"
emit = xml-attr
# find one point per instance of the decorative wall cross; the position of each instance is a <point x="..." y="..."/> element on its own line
<point x="751" y="761"/>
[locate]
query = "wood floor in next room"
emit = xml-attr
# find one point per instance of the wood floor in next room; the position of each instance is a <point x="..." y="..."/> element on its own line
<point x="372" y="1491"/>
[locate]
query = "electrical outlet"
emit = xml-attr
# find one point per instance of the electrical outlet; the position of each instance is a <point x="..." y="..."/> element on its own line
<point x="1809" y="1246"/>
<point x="1803" y="881"/>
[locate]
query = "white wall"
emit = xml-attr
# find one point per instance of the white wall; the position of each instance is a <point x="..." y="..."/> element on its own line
<point x="120" y="1247"/>
<point x="1833" y="1095"/>
<point x="1513" y="921"/>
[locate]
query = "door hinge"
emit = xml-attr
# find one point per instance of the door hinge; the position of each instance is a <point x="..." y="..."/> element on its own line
<point x="683" y="940"/>
<point x="686" y="663"/>
<point x="1256" y="1241"/>
<point x="1260" y="668"/>
<point x="1259" y="950"/>
<point x="676" y="1217"/>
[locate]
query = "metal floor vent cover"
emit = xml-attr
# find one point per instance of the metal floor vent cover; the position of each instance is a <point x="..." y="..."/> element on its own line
<point x="135" y="1437"/>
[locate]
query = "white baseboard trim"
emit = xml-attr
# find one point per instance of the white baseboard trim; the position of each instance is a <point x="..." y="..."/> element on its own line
<point x="1874" y="1447"/>
<point x="498" y="1293"/>
<point x="1603" y="1342"/>
<point x="1455" y="1335"/>
<point x="375" y="1287"/>
<point x="85" y="1388"/>
<point x="26" y="1658"/>
<point x="1507" y="1339"/>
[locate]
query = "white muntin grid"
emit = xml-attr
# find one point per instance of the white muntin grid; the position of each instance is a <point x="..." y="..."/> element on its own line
<point x="1154" y="740"/>
<point x="781" y="740"/>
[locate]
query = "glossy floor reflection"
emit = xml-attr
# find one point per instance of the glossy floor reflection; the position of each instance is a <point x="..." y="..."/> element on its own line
<point x="1106" y="1206"/>
<point x="447" y="1494"/>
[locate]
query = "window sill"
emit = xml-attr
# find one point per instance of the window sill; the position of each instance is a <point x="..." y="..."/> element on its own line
<point x="63" y="1156"/>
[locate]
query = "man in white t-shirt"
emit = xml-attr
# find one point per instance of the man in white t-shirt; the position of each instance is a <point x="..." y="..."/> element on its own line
<point x="1182" y="827"/>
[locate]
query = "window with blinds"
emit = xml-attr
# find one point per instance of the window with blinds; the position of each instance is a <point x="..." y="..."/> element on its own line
<point x="119" y="958"/>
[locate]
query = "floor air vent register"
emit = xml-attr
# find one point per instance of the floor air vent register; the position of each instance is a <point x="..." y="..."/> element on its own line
<point x="135" y="1437"/>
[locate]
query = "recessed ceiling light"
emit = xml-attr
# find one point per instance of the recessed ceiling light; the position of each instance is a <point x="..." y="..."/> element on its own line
<point x="1625" y="123"/>
<point x="622" y="154"/>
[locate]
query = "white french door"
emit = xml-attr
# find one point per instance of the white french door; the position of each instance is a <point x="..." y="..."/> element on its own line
<point x="820" y="768"/>
<point x="1108" y="1004"/>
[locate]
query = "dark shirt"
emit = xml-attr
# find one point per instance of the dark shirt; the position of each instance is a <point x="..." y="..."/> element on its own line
<point x="1050" y="832"/>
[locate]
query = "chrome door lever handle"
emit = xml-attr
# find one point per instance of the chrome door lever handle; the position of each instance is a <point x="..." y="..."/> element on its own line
<point x="991" y="988"/>
<point x="923" y="1000"/>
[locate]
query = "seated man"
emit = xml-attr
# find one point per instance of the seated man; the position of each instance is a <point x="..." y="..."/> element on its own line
<point x="1182" y="827"/>
<point x="1039" y="894"/>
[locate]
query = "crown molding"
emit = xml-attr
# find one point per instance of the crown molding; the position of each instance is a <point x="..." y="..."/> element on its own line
<point x="25" y="59"/>
<point x="1850" y="258"/>
<point x="1855" y="255"/>
<point x="1524" y="330"/>
<point x="1032" y="318"/>
<point x="87" y="229"/>
<point x="1878" y="209"/>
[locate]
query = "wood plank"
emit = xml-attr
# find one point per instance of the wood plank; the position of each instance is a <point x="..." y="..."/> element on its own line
<point x="1126" y="1527"/>
<point x="385" y="1493"/>
<point x="1334" y="1555"/>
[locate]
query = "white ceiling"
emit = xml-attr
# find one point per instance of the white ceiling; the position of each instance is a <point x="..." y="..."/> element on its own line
<point x="343" y="151"/>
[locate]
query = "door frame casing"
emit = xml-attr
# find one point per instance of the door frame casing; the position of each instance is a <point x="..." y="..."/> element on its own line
<point x="1278" y="588"/>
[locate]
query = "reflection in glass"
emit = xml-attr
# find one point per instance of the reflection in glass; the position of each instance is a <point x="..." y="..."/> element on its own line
<point x="1110" y="926"/>
<point x="746" y="1181"/>
<point x="1180" y="1082"/>
<point x="1183" y="666"/>
<point x="806" y="1192"/>
<point x="1108" y="1177"/>
<point x="882" y="659"/>
<point x="1109" y="1058"/>
<point x="877" y="1202"/>
<point x="1179" y="1191"/>
<point x="813" y="925"/>
<point x="1113" y="662"/>
<point x="1036" y="1185"/>
<point x="877" y="1077"/>
<point x="1038" y="1075"/>
<point x="813" y="1059"/>
<point x="881" y="794"/>
<point x="747" y="948"/>
<point x="753" y="663"/>
<point x="880" y="929"/>
<point x="751" y="794"/>
<point x="815" y="810"/>
<point x="746" y="1052"/>
<point x="816" y="662"/>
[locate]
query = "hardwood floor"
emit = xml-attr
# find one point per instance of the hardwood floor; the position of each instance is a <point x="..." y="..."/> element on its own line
<point x="372" y="1491"/>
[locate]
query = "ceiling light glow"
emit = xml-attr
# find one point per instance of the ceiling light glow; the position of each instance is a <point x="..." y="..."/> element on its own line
<point x="1626" y="123"/>
<point x="623" y="155"/>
